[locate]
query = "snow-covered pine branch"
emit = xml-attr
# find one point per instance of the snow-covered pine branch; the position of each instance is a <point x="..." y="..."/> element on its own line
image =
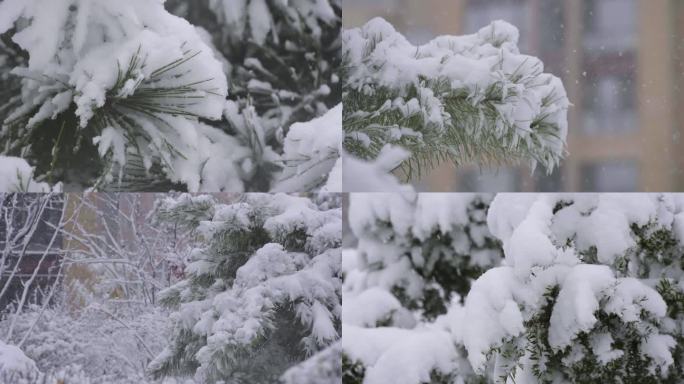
<point x="16" y="175"/>
<point x="471" y="98"/>
<point x="112" y="94"/>
<point x="261" y="293"/>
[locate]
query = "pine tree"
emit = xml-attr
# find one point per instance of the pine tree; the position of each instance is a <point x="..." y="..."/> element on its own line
<point x="262" y="291"/>
<point x="461" y="99"/>
<point x="283" y="64"/>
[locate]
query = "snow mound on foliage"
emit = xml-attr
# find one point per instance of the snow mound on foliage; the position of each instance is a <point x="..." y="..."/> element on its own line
<point x="311" y="152"/>
<point x="16" y="175"/>
<point x="325" y="367"/>
<point x="15" y="366"/>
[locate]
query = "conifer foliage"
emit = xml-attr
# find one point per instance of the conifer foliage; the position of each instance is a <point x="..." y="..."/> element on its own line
<point x="283" y="65"/>
<point x="462" y="99"/>
<point x="128" y="96"/>
<point x="111" y="91"/>
<point x="261" y="295"/>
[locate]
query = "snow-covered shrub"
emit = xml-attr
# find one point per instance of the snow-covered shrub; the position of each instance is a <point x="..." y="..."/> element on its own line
<point x="425" y="249"/>
<point x="417" y="256"/>
<point x="101" y="343"/>
<point x="15" y="366"/>
<point x="261" y="293"/>
<point x="283" y="60"/>
<point x="591" y="290"/>
<point x="456" y="98"/>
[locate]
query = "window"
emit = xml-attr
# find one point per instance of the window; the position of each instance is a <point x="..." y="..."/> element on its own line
<point x="477" y="180"/>
<point x="610" y="176"/>
<point x="609" y="104"/>
<point x="609" y="25"/>
<point x="552" y="26"/>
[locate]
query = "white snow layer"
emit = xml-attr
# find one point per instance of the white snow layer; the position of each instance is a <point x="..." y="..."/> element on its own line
<point x="312" y="155"/>
<point x="14" y="365"/>
<point x="16" y="175"/>
<point x="374" y="176"/>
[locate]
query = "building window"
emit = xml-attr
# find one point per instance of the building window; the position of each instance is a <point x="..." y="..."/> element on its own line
<point x="610" y="176"/>
<point x="609" y="25"/>
<point x="609" y="104"/>
<point x="23" y="261"/>
<point x="477" y="180"/>
<point x="552" y="26"/>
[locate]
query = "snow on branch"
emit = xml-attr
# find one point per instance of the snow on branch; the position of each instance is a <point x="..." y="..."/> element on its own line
<point x="472" y="98"/>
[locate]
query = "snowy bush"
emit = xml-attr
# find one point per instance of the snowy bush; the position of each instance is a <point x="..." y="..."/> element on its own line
<point x="102" y="344"/>
<point x="15" y="366"/>
<point x="590" y="290"/>
<point x="417" y="256"/>
<point x="456" y="98"/>
<point x="127" y="96"/>
<point x="261" y="293"/>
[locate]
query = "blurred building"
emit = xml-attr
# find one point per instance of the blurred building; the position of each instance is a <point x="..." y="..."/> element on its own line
<point x="621" y="62"/>
<point x="33" y="256"/>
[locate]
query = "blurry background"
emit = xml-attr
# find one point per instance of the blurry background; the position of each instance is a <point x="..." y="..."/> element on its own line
<point x="621" y="62"/>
